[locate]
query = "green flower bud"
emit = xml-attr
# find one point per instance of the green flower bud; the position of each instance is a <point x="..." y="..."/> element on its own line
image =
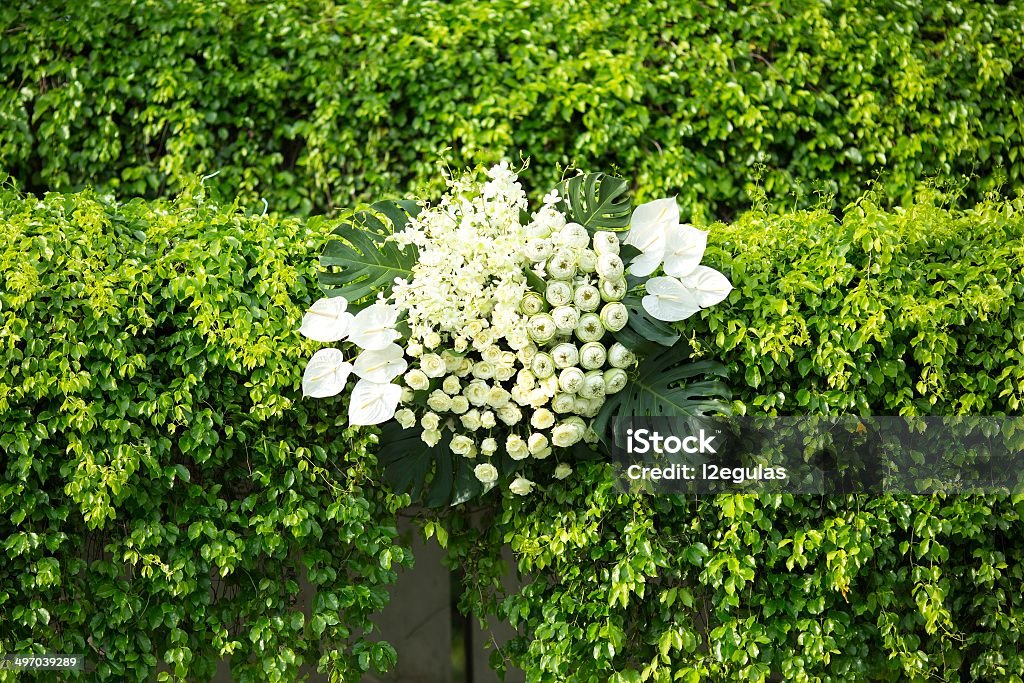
<point x="587" y="298"/>
<point x="542" y="366"/>
<point x="613" y="290"/>
<point x="575" y="236"/>
<point x="562" y="403"/>
<point x="568" y="432"/>
<point x="621" y="357"/>
<point x="606" y="243"/>
<point x="565" y="355"/>
<point x="571" y="380"/>
<point x="587" y="261"/>
<point x="614" y="380"/>
<point x="610" y="267"/>
<point x="566" y="318"/>
<point x="537" y="249"/>
<point x="532" y="304"/>
<point x="559" y="293"/>
<point x="590" y="328"/>
<point x="614" y="316"/>
<point x="593" y="385"/>
<point x="592" y="355"/>
<point x="562" y="265"/>
<point x="542" y="328"/>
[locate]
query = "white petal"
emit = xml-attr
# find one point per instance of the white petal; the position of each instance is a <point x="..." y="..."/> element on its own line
<point x="663" y="213"/>
<point x="326" y="320"/>
<point x="708" y="286"/>
<point x="372" y="403"/>
<point x="381" y="366"/>
<point x="684" y="249"/>
<point x="373" y="328"/>
<point x="326" y="374"/>
<point x="647" y="262"/>
<point x="667" y="299"/>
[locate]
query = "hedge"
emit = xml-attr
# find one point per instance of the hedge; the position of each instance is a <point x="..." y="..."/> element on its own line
<point x="315" y="104"/>
<point x="918" y="311"/>
<point x="165" y="491"/>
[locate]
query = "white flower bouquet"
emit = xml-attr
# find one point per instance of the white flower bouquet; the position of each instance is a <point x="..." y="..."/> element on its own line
<point x="484" y="337"/>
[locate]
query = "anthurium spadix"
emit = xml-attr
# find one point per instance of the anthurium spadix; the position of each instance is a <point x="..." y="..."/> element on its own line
<point x="373" y="402"/>
<point x="373" y="328"/>
<point x="327" y="320"/>
<point x="326" y="374"/>
<point x="381" y="366"/>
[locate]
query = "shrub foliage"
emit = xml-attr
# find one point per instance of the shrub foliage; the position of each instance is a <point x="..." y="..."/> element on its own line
<point x="918" y="311"/>
<point x="165" y="490"/>
<point x="319" y="104"/>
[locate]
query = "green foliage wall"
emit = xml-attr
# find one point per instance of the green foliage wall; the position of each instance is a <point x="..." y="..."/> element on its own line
<point x="918" y="311"/>
<point x="318" y="104"/>
<point x="164" y="487"/>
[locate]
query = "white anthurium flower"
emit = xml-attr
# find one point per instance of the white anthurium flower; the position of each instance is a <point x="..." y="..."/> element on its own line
<point x="327" y="320"/>
<point x="325" y="374"/>
<point x="381" y="366"/>
<point x="684" y="248"/>
<point x="707" y="285"/>
<point x="373" y="402"/>
<point x="669" y="299"/>
<point x="373" y="328"/>
<point x="648" y="232"/>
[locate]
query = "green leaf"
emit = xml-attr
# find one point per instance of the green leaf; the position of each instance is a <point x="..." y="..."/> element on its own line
<point x="358" y="260"/>
<point x="596" y="201"/>
<point x="643" y="328"/>
<point x="666" y="385"/>
<point x="432" y="474"/>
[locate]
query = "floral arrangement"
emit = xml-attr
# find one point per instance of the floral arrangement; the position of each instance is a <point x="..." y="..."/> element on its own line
<point x="485" y="338"/>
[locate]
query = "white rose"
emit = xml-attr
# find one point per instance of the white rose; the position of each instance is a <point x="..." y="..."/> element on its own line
<point x="566" y="318"/>
<point x="439" y="401"/>
<point x="571" y="380"/>
<point x="575" y="235"/>
<point x="487" y="420"/>
<point x="461" y="444"/>
<point x="483" y="370"/>
<point x="488" y="446"/>
<point x="451" y="385"/>
<point x="521" y="486"/>
<point x="431" y="437"/>
<point x="416" y="380"/>
<point x="431" y="340"/>
<point x="405" y="417"/>
<point x="476" y="392"/>
<point x="563" y="403"/>
<point x="588" y="260"/>
<point x="562" y="471"/>
<point x="542" y="419"/>
<point x="536" y="443"/>
<point x="568" y="433"/>
<point x="452" y="362"/>
<point x="430" y="421"/>
<point x="460" y="404"/>
<point x="486" y="473"/>
<point x="497" y="397"/>
<point x="492" y="355"/>
<point x="516" y="447"/>
<point x="432" y="365"/>
<point x="414" y="349"/>
<point x="510" y="414"/>
<point x="471" y="420"/>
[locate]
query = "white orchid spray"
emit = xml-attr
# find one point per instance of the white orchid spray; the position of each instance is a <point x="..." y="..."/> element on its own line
<point x="493" y="337"/>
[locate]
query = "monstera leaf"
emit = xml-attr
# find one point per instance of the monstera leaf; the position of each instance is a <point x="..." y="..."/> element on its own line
<point x="667" y="385"/>
<point x="358" y="261"/>
<point x="431" y="474"/>
<point x="643" y="332"/>
<point x="596" y="201"/>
